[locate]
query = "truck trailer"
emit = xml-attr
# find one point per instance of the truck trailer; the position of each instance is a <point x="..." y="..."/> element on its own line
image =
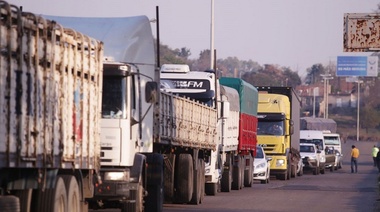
<point x="279" y="129"/>
<point x="239" y="164"/>
<point x="50" y="100"/>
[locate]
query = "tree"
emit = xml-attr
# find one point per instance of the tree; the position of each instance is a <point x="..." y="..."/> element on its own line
<point x="369" y="118"/>
<point x="313" y="74"/>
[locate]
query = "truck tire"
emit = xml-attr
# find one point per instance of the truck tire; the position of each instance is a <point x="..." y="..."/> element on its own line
<point x="184" y="179"/>
<point x="9" y="203"/>
<point x="25" y="199"/>
<point x="248" y="173"/>
<point x="135" y="201"/>
<point x="73" y="195"/>
<point x="197" y="184"/>
<point x="322" y="171"/>
<point x="315" y="171"/>
<point x="155" y="198"/>
<point x="226" y="181"/>
<point x="300" y="173"/>
<point x="242" y="168"/>
<point x="53" y="199"/>
<point x="203" y="180"/>
<point x="294" y="171"/>
<point x="211" y="189"/>
<point x="236" y="177"/>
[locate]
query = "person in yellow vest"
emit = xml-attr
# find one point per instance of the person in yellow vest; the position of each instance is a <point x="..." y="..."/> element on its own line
<point x="354" y="159"/>
<point x="375" y="150"/>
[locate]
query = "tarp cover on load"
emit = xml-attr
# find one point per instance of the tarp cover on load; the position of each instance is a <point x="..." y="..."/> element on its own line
<point x="126" y="39"/>
<point x="309" y="123"/>
<point x="247" y="92"/>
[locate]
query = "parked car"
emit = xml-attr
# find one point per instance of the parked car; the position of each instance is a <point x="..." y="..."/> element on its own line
<point x="262" y="166"/>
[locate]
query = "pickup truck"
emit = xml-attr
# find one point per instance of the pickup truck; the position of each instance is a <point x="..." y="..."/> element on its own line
<point x="311" y="157"/>
<point x="330" y="159"/>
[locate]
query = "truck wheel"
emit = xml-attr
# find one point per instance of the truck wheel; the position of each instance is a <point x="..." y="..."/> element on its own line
<point x="242" y="168"/>
<point x="289" y="171"/>
<point x="135" y="202"/>
<point x="155" y="198"/>
<point x="248" y="174"/>
<point x="73" y="195"/>
<point x="300" y="173"/>
<point x="211" y="189"/>
<point x="197" y="184"/>
<point x="226" y="180"/>
<point x="294" y="171"/>
<point x="322" y="171"/>
<point x="53" y="199"/>
<point x="184" y="178"/>
<point x="236" y="177"/>
<point x="315" y="171"/>
<point x="9" y="203"/>
<point x="25" y="198"/>
<point x="203" y="180"/>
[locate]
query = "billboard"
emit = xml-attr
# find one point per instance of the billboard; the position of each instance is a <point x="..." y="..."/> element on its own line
<point x="361" y="32"/>
<point x="363" y="66"/>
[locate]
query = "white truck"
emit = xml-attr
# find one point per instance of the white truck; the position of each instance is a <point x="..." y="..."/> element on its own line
<point x="230" y="166"/>
<point x="153" y="144"/>
<point x="50" y="103"/>
<point x="204" y="87"/>
<point x="311" y="157"/>
<point x="334" y="143"/>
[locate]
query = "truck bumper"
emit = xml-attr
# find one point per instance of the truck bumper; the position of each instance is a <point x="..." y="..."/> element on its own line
<point x="114" y="190"/>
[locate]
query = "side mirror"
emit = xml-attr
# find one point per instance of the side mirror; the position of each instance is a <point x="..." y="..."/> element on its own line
<point x="269" y="159"/>
<point x="151" y="92"/>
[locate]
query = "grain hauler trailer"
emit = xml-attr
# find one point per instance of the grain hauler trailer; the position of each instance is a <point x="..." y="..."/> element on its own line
<point x="239" y="164"/>
<point x="50" y="103"/>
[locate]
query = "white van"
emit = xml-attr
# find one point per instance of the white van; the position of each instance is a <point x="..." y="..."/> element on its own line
<point x="315" y="137"/>
<point x="332" y="141"/>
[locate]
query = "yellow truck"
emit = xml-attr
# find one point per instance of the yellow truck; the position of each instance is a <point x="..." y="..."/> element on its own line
<point x="279" y="130"/>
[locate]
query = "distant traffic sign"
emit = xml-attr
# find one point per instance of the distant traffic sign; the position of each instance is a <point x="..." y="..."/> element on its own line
<point x="365" y="66"/>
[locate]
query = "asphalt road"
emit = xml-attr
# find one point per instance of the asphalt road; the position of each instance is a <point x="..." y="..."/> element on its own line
<point x="334" y="191"/>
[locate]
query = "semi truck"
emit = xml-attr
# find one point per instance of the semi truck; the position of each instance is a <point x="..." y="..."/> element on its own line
<point x="50" y="100"/>
<point x="200" y="86"/>
<point x="154" y="144"/>
<point x="279" y="129"/>
<point x="239" y="163"/>
<point x="230" y="166"/>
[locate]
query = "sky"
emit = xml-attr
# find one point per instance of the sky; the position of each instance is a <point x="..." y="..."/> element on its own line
<point x="291" y="33"/>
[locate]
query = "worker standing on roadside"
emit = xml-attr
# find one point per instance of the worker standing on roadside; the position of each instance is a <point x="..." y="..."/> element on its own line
<point x="375" y="150"/>
<point x="354" y="159"/>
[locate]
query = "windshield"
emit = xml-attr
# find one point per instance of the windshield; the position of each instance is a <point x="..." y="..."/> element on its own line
<point x="318" y="143"/>
<point x="259" y="153"/>
<point x="113" y="97"/>
<point x="332" y="140"/>
<point x="307" y="148"/>
<point x="270" y="128"/>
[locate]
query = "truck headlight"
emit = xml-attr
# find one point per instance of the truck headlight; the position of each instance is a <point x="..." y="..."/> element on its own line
<point x="116" y="176"/>
<point x="280" y="162"/>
